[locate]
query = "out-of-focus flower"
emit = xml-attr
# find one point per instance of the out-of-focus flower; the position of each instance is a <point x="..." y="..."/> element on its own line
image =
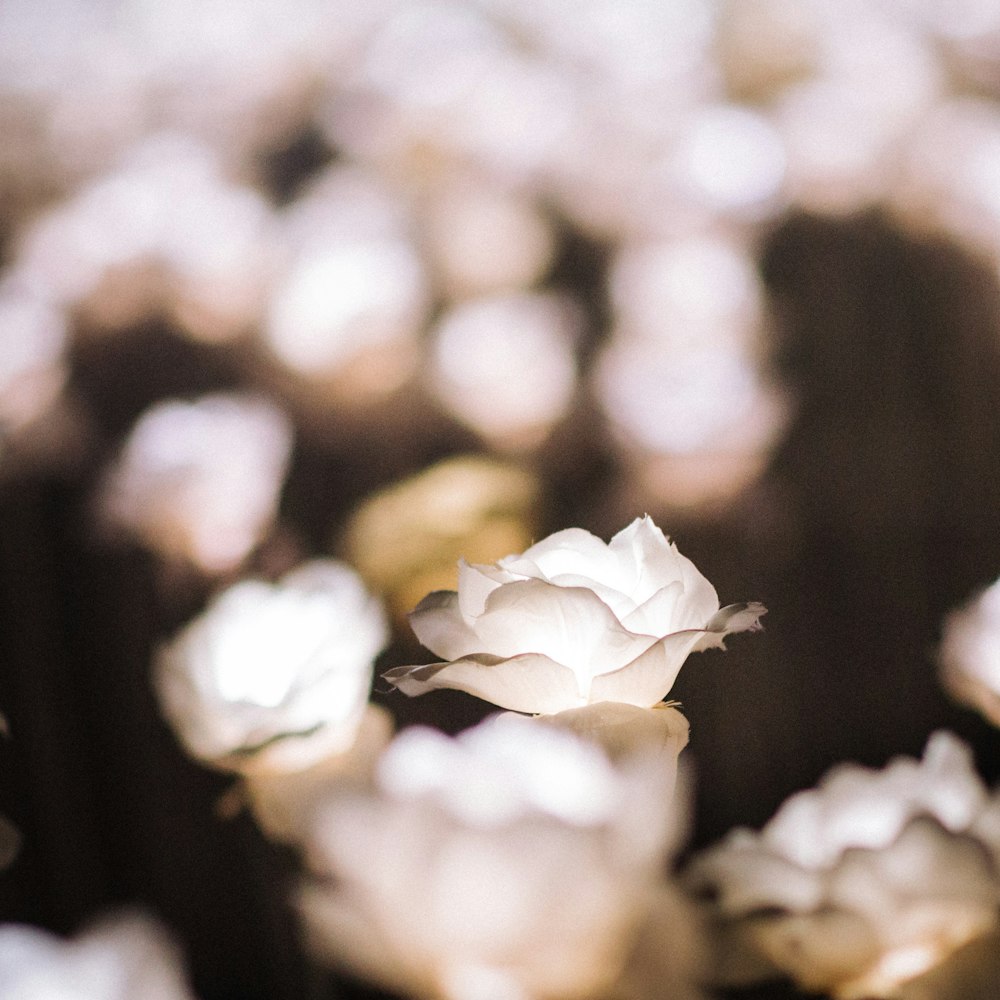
<point x="505" y="364"/>
<point x="572" y="621"/>
<point x="351" y="313"/>
<point x="515" y="861"/>
<point x="731" y="161"/>
<point x="683" y="378"/>
<point x="121" y="958"/>
<point x="406" y="539"/>
<point x="274" y="677"/>
<point x="284" y="801"/>
<point x="33" y="336"/>
<point x="483" y="239"/>
<point x="863" y="884"/>
<point x="949" y="177"/>
<point x="126" y="247"/>
<point x="970" y="653"/>
<point x="844" y="128"/>
<point x="633" y="737"/>
<point x="199" y="481"/>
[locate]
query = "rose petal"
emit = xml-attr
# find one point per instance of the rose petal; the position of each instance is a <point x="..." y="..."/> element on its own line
<point x="572" y="550"/>
<point x="650" y="561"/>
<point x="438" y="622"/>
<point x="657" y="617"/>
<point x="476" y="581"/>
<point x="625" y="730"/>
<point x="819" y="949"/>
<point x="744" y="878"/>
<point x="570" y="625"/>
<point x="650" y="676"/>
<point x="743" y="617"/>
<point x="528" y="683"/>
<point x="620" y="603"/>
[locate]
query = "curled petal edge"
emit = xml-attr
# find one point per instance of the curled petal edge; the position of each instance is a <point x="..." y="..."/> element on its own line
<point x="743" y="617"/>
<point x="530" y="683"/>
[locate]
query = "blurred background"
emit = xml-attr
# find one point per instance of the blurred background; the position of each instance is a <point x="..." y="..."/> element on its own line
<point x="410" y="281"/>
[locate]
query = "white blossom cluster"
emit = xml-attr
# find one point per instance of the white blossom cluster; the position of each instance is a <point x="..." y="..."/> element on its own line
<point x="862" y="885"/>
<point x="529" y="857"/>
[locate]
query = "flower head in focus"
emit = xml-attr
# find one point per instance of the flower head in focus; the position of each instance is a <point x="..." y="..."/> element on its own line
<point x="514" y="861"/>
<point x="572" y="621"/>
<point x="969" y="655"/>
<point x="122" y="958"/>
<point x="274" y="676"/>
<point x="199" y="481"/>
<point x="862" y="885"/>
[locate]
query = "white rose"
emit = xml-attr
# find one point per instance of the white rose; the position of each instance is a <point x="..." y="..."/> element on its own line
<point x="274" y="676"/>
<point x="863" y="885"/>
<point x="199" y="481"/>
<point x="513" y="861"/>
<point x="122" y="958"/>
<point x="572" y="621"/>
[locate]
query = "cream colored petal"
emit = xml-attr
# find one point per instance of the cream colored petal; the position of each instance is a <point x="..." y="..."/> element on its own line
<point x="341" y="931"/>
<point x="573" y="539"/>
<point x="570" y="625"/>
<point x="573" y="551"/>
<point x="649" y="561"/>
<point x="625" y="730"/>
<point x="971" y="973"/>
<point x="475" y="583"/>
<point x="620" y="603"/>
<point x="823" y="951"/>
<point x="660" y="614"/>
<point x="650" y="676"/>
<point x="925" y="864"/>
<point x="438" y="623"/>
<point x="743" y="877"/>
<point x="284" y="802"/>
<point x="732" y="618"/>
<point x="528" y="683"/>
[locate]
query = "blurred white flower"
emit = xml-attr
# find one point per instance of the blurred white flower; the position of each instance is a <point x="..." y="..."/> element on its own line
<point x="274" y="676"/>
<point x="949" y="177"/>
<point x="199" y="481"/>
<point x="515" y="861"/>
<point x="284" y="802"/>
<point x="484" y="239"/>
<point x="505" y="364"/>
<point x="629" y="733"/>
<point x="353" y="296"/>
<point x="33" y="337"/>
<point x="572" y="621"/>
<point x="970" y="653"/>
<point x="121" y="958"/>
<point x="863" y="884"/>
<point x="126" y="246"/>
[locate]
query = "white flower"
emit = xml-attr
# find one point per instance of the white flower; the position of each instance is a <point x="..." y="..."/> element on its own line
<point x="865" y="883"/>
<point x="120" y="959"/>
<point x="572" y="621"/>
<point x="515" y="861"/>
<point x="274" y="676"/>
<point x="970" y="653"/>
<point x="200" y="480"/>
